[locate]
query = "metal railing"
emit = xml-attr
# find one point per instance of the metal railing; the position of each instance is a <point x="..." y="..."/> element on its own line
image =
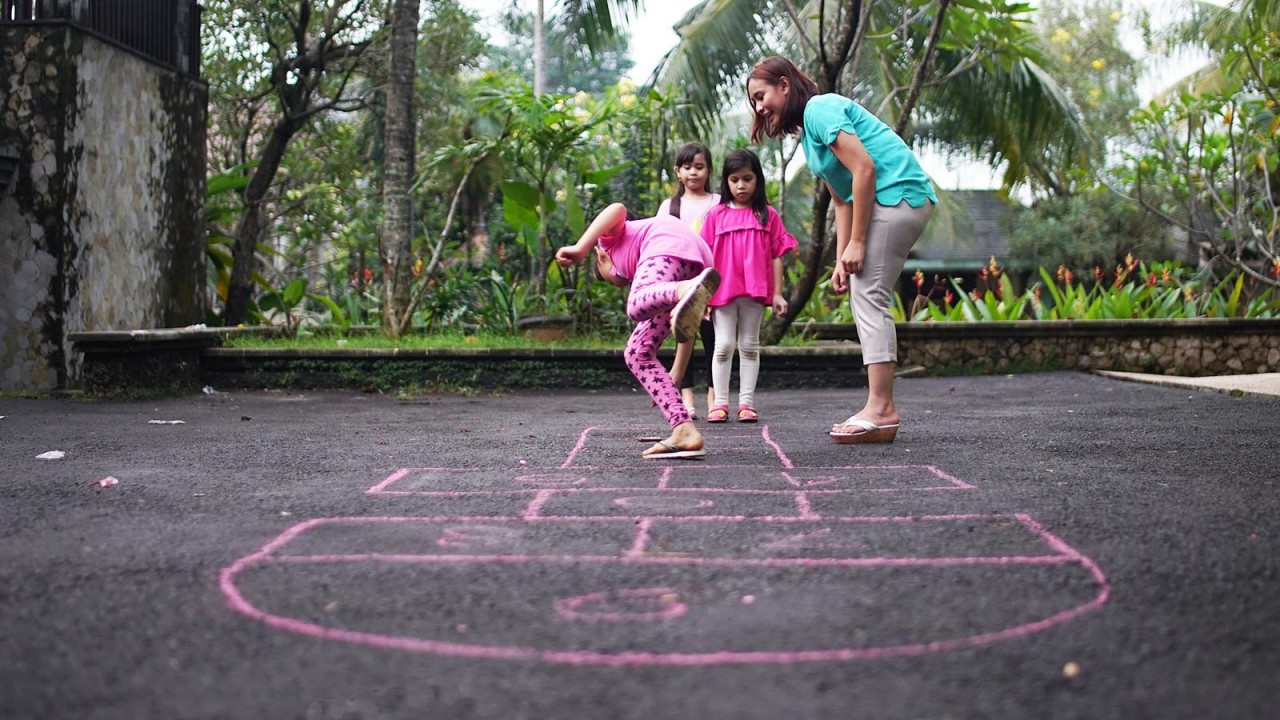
<point x="165" y="31"/>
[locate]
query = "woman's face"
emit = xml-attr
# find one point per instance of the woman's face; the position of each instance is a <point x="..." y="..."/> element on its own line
<point x="768" y="100"/>
<point x="742" y="185"/>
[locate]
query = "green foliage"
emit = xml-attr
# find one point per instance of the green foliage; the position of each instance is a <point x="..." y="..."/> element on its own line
<point x="1091" y="228"/>
<point x="1133" y="290"/>
<point x="221" y="206"/>
<point x="1207" y="156"/>
<point x="1085" y="47"/>
<point x="571" y="66"/>
<point x="1211" y="166"/>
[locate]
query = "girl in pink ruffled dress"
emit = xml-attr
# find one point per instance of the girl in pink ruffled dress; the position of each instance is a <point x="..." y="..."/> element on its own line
<point x="748" y="242"/>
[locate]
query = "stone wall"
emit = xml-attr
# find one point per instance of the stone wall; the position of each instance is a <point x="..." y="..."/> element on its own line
<point x="103" y="228"/>
<point x="1170" y="347"/>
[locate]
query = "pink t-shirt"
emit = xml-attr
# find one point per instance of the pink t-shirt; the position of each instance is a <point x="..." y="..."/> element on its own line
<point x="692" y="211"/>
<point x="743" y="251"/>
<point x="660" y="236"/>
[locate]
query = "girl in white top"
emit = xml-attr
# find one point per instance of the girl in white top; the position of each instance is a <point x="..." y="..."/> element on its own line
<point x="690" y="203"/>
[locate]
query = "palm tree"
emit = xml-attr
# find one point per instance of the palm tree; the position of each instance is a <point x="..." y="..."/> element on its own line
<point x="594" y="21"/>
<point x="398" y="170"/>
<point x="968" y="75"/>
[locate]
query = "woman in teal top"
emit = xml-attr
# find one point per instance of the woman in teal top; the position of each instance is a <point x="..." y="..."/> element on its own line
<point x="883" y="199"/>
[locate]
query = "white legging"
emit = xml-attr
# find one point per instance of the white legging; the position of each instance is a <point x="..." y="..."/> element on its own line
<point x="738" y="321"/>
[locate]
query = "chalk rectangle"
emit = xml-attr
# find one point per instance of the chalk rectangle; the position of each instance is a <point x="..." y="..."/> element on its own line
<point x="854" y="539"/>
<point x="442" y="538"/>
<point x="667" y="503"/>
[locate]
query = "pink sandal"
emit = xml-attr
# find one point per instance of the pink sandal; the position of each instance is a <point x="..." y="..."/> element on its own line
<point x="718" y="414"/>
<point x="747" y="414"/>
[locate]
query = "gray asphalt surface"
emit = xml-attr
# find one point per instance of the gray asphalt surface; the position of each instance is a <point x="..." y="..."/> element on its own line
<point x="1054" y="545"/>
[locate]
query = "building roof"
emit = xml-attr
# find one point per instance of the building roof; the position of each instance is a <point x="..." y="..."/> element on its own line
<point x="965" y="233"/>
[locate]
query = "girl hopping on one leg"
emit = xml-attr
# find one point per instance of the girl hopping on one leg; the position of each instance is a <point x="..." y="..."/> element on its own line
<point x="690" y="203"/>
<point x="748" y="241"/>
<point x="669" y="270"/>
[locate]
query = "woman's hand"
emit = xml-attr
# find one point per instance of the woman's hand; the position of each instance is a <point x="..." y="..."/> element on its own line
<point x="851" y="259"/>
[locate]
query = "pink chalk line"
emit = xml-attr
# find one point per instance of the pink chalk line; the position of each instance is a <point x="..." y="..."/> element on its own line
<point x="782" y="457"/>
<point x="553" y="519"/>
<point x="645" y="559"/>
<point x="804" y="508"/>
<point x="662" y="502"/>
<point x="642" y="536"/>
<point x="582" y="443"/>
<point x="666" y="599"/>
<point x="588" y="658"/>
<point x="665" y="478"/>
<point x="535" y="505"/>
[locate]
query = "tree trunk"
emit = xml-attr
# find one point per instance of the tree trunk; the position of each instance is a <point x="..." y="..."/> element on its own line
<point x="252" y="225"/>
<point x="539" y="51"/>
<point x="396" y="239"/>
<point x="816" y="261"/>
<point x="837" y="46"/>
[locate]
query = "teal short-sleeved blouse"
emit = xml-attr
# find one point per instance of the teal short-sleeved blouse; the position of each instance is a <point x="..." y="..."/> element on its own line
<point x="898" y="174"/>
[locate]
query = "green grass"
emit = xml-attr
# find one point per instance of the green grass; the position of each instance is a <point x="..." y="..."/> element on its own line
<point x="433" y="341"/>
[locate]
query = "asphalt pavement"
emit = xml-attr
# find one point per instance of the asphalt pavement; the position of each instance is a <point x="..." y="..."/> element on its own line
<point x="1054" y="545"/>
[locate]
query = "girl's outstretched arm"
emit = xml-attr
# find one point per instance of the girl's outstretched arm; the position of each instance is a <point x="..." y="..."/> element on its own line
<point x="608" y="222"/>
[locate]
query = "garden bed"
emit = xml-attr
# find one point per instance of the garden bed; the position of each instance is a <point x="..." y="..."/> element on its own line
<point x="182" y="360"/>
<point x="1202" y="346"/>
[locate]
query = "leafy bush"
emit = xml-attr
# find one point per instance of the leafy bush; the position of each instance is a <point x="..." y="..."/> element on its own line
<point x="1095" y="228"/>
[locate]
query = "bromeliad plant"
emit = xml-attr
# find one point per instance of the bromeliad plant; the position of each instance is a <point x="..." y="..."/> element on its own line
<point x="1132" y="291"/>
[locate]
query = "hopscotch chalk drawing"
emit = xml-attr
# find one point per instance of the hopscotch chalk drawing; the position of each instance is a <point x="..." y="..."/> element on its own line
<point x="687" y="564"/>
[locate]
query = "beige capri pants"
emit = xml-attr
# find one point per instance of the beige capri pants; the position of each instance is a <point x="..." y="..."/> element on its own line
<point x="892" y="233"/>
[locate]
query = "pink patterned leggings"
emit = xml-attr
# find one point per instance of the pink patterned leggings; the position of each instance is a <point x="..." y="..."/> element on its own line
<point x="654" y="292"/>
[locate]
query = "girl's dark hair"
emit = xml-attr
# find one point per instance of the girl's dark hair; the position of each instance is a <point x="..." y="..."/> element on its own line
<point x="744" y="159"/>
<point x="685" y="155"/>
<point x="774" y="70"/>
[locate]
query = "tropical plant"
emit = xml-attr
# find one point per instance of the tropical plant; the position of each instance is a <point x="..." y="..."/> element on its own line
<point x="1090" y="227"/>
<point x="1207" y="160"/>
<point x="295" y="60"/>
<point x="555" y="142"/>
<point x="1132" y="290"/>
<point x="971" y="67"/>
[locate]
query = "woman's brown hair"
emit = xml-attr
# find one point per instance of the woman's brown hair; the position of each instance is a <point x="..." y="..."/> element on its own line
<point x="773" y="70"/>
